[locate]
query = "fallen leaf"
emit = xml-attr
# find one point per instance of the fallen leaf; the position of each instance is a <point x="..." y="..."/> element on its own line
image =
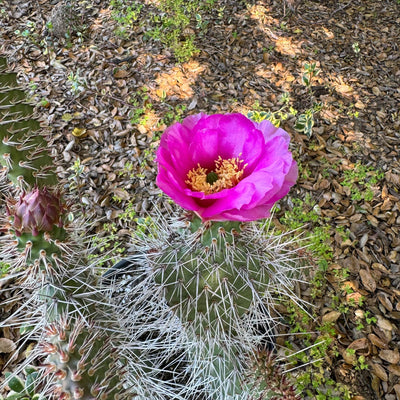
<point x="331" y="316"/>
<point x="380" y="372"/>
<point x="78" y="132"/>
<point x="367" y="280"/>
<point x="7" y="345"/>
<point x="121" y="73"/>
<point x="391" y="356"/>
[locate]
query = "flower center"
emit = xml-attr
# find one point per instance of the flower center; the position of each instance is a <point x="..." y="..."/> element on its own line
<point x="226" y="174"/>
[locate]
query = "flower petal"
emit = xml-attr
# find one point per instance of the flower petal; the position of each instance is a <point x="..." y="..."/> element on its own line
<point x="269" y="173"/>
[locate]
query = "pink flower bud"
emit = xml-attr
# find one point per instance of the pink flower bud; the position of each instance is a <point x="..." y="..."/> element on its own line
<point x="36" y="211"/>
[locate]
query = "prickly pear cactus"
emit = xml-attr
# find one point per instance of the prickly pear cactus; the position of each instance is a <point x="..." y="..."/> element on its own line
<point x="83" y="360"/>
<point x="37" y="221"/>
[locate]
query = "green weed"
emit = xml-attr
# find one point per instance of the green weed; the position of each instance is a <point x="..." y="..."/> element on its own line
<point x="169" y="24"/>
<point x="4" y="268"/>
<point x="312" y="374"/>
<point x="360" y="180"/>
<point x="125" y="13"/>
<point x="24" y="389"/>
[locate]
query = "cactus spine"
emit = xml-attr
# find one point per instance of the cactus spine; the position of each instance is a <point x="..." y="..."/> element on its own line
<point x="24" y="155"/>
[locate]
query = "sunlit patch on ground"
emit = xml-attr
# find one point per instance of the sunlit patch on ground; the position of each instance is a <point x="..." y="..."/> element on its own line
<point x="177" y="83"/>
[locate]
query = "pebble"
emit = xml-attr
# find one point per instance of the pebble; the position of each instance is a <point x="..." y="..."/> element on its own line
<point x="67" y="156"/>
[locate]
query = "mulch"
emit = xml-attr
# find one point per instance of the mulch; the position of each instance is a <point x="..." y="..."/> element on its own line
<point x="106" y="99"/>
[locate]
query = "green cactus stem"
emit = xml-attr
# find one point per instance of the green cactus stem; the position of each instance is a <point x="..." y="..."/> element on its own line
<point x="65" y="297"/>
<point x="84" y="360"/>
<point x="23" y="150"/>
<point x="214" y="274"/>
<point x="222" y="280"/>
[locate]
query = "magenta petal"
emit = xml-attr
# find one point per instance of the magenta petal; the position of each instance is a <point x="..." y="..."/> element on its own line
<point x="269" y="174"/>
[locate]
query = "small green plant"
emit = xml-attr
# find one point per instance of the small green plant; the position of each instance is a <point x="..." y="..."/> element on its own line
<point x="169" y="24"/>
<point x="128" y="170"/>
<point x="361" y="363"/>
<point x="4" y="267"/>
<point x="310" y="72"/>
<point x="306" y="212"/>
<point x="360" y="181"/>
<point x="369" y="320"/>
<point x="314" y="378"/>
<point x="76" y="82"/>
<point x="76" y="177"/>
<point x="276" y="117"/>
<point x="30" y="34"/>
<point x="305" y="122"/>
<point x="174" y="114"/>
<point x="125" y="13"/>
<point x="356" y="48"/>
<point x="24" y="389"/>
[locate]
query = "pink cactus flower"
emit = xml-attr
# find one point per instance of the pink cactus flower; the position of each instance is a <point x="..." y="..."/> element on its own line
<point x="225" y="167"/>
<point x="36" y="211"/>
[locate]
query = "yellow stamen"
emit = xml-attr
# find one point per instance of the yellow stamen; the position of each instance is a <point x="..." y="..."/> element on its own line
<point x="229" y="173"/>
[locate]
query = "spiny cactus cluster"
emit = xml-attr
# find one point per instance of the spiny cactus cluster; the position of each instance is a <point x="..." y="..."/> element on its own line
<point x="81" y="356"/>
<point x="221" y="280"/>
<point x="203" y="292"/>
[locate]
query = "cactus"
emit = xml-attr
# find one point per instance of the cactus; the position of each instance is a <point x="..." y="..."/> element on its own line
<point x="74" y="325"/>
<point x="94" y="349"/>
<point x="24" y="155"/>
<point x="205" y="291"/>
<point x="221" y="280"/>
<point x="218" y="270"/>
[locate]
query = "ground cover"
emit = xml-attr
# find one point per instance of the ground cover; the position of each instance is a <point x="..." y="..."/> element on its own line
<point x="109" y="81"/>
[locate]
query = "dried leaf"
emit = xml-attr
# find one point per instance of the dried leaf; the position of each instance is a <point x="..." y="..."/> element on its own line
<point x="376" y="341"/>
<point x="121" y="73"/>
<point x="331" y="316"/>
<point x="367" y="280"/>
<point x="380" y="372"/>
<point x="391" y="356"/>
<point x="7" y="345"/>
<point x="79" y="132"/>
